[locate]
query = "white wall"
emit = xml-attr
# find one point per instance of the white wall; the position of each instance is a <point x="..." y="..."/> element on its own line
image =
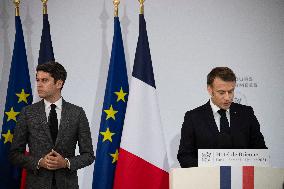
<point x="187" y="39"/>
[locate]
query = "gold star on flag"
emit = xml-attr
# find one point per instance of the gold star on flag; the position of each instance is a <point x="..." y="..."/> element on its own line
<point x="8" y="137"/>
<point x="120" y="95"/>
<point x="115" y="156"/>
<point x="107" y="135"/>
<point x="110" y="113"/>
<point x="12" y="115"/>
<point x="23" y="96"/>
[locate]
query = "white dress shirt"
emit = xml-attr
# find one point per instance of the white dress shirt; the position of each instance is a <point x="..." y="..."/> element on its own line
<point x="58" y="109"/>
<point x="217" y="116"/>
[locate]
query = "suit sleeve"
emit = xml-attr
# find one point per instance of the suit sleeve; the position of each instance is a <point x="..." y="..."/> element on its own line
<point x="86" y="156"/>
<point x="19" y="143"/>
<point x="187" y="153"/>
<point x="256" y="137"/>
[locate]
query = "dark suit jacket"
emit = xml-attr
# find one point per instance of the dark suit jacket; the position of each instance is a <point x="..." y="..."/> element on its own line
<point x="32" y="129"/>
<point x="199" y="131"/>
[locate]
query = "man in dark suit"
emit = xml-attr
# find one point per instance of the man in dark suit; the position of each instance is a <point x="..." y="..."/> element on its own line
<point x="52" y="128"/>
<point x="220" y="123"/>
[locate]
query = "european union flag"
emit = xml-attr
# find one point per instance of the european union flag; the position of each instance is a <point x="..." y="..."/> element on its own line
<point x="19" y="94"/>
<point x="112" y="119"/>
<point x="46" y="50"/>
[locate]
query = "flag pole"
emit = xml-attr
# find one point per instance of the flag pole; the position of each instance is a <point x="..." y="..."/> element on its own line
<point x="141" y="6"/>
<point x="116" y="3"/>
<point x="17" y="9"/>
<point x="44" y="6"/>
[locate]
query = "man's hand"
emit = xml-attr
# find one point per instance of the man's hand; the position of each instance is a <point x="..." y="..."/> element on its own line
<point x="53" y="161"/>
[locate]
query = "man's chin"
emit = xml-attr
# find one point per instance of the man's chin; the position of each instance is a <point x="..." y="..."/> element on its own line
<point x="41" y="95"/>
<point x="226" y="106"/>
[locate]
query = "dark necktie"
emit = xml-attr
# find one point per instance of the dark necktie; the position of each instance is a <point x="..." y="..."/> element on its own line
<point x="53" y="122"/>
<point x="224" y="123"/>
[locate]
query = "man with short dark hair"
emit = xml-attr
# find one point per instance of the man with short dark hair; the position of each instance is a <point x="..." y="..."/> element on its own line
<point x="220" y="123"/>
<point x="52" y="128"/>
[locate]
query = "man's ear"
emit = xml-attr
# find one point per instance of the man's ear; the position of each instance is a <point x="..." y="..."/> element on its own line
<point x="209" y="89"/>
<point x="59" y="84"/>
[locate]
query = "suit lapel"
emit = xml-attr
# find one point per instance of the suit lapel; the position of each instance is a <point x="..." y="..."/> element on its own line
<point x="210" y="118"/>
<point x="233" y="117"/>
<point x="43" y="120"/>
<point x="63" y="122"/>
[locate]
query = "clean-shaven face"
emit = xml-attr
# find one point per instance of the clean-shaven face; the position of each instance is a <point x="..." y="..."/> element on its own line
<point x="47" y="88"/>
<point x="222" y="92"/>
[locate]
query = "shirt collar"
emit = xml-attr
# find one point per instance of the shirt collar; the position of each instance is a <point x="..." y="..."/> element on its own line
<point x="58" y="103"/>
<point x="216" y="108"/>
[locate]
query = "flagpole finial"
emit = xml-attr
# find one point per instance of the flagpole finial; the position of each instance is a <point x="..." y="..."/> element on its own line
<point x="141" y="6"/>
<point x="17" y="9"/>
<point x="44" y="6"/>
<point x="116" y="3"/>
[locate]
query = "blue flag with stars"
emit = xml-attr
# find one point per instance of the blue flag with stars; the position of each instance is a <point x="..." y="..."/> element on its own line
<point x="19" y="94"/>
<point x="112" y="118"/>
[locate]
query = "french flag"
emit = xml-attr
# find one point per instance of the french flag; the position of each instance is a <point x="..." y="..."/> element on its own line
<point x="142" y="161"/>
<point x="249" y="177"/>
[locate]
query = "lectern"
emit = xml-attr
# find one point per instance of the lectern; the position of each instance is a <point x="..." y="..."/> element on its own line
<point x="227" y="177"/>
<point x="229" y="169"/>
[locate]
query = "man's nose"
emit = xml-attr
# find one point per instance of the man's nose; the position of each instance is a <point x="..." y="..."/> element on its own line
<point x="38" y="84"/>
<point x="227" y="96"/>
